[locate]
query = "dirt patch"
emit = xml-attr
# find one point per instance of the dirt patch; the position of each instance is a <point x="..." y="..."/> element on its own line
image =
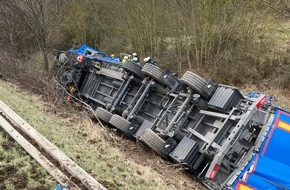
<point x="8" y="170"/>
<point x="17" y="168"/>
<point x="7" y="145"/>
<point x="9" y="176"/>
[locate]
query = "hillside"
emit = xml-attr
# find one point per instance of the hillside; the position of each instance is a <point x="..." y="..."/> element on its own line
<point x="240" y="43"/>
<point x="115" y="161"/>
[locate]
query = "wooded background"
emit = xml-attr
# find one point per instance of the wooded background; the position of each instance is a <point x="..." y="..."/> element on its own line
<point x="235" y="42"/>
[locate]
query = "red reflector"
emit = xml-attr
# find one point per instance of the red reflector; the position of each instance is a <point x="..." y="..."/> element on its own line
<point x="214" y="172"/>
<point x="80" y="58"/>
<point x="261" y="102"/>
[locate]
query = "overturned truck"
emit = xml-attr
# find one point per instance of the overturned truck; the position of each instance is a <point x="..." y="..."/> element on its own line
<point x="226" y="139"/>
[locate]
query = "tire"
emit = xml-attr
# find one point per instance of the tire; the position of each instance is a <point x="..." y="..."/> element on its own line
<point x="133" y="68"/>
<point x="103" y="114"/>
<point x="154" y="72"/>
<point x="196" y="82"/>
<point x="155" y="142"/>
<point x="120" y="123"/>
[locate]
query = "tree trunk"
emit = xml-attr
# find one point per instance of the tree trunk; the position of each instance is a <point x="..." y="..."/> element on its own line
<point x="46" y="63"/>
<point x="45" y="54"/>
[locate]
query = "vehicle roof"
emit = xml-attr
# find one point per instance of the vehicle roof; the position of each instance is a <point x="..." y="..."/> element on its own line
<point x="84" y="48"/>
<point x="101" y="56"/>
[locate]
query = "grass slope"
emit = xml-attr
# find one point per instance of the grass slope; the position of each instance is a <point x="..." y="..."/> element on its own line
<point x="104" y="156"/>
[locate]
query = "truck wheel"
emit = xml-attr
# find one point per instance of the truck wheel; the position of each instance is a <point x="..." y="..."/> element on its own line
<point x="153" y="141"/>
<point x="154" y="72"/>
<point x="103" y="114"/>
<point x="120" y="123"/>
<point x="196" y="82"/>
<point x="134" y="68"/>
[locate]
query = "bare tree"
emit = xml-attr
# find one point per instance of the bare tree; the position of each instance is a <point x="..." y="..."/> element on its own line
<point x="142" y="23"/>
<point x="87" y="21"/>
<point x="40" y="17"/>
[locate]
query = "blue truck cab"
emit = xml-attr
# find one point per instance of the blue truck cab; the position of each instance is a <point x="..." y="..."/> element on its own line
<point x="88" y="52"/>
<point x="92" y="54"/>
<point x="269" y="165"/>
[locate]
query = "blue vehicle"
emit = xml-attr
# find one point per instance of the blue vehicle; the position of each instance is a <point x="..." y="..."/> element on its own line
<point x="92" y="54"/>
<point x="227" y="140"/>
<point x="88" y="52"/>
<point x="269" y="167"/>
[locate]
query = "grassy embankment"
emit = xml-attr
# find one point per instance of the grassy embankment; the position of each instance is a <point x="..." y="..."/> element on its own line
<point x="86" y="143"/>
